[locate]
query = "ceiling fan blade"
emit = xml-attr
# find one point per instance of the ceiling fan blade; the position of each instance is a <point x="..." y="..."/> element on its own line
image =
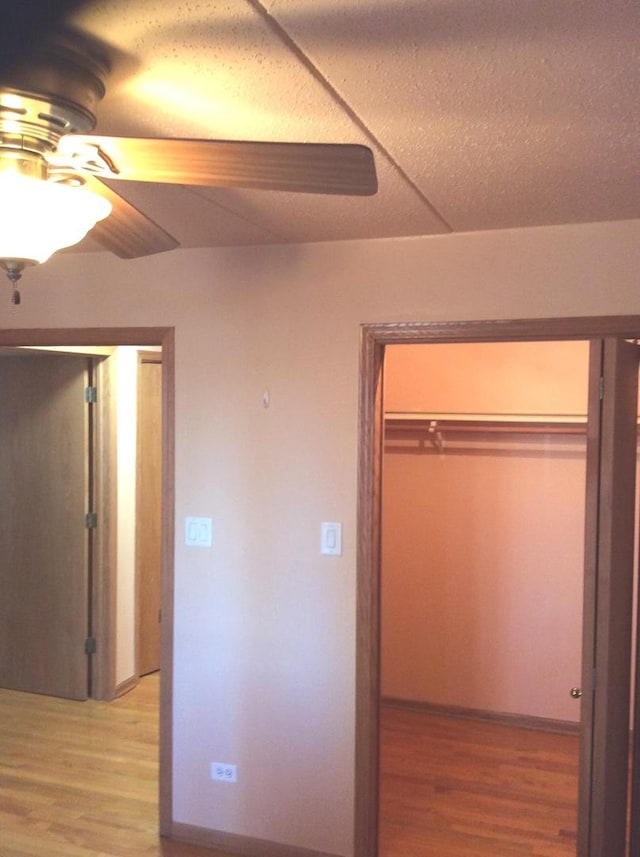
<point x="127" y="232"/>
<point x="332" y="168"/>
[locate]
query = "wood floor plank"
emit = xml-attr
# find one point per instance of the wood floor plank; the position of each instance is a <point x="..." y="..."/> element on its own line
<point x="463" y="788"/>
<point x="80" y="779"/>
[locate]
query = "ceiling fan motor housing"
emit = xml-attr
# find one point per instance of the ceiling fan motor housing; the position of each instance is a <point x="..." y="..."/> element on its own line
<point x="52" y="93"/>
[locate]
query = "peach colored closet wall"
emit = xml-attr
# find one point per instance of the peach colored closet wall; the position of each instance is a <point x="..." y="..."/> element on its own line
<point x="483" y="540"/>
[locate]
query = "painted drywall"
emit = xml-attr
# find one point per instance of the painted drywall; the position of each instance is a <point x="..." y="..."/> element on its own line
<point x="126" y="422"/>
<point x="483" y="536"/>
<point x="492" y="378"/>
<point x="265" y="625"/>
<point x="126" y="396"/>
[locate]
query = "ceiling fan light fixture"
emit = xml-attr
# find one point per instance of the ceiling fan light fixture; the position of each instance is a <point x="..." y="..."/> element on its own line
<point x="38" y="217"/>
<point x="52" y="165"/>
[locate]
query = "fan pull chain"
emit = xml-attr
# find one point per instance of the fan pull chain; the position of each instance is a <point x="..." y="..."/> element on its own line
<point x="13" y="269"/>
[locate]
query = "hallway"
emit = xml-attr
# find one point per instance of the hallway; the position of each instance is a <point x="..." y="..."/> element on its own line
<point x="80" y="779"/>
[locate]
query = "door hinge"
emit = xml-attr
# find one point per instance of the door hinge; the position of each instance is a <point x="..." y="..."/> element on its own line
<point x="90" y="646"/>
<point x="601" y="388"/>
<point x="91" y="520"/>
<point x="90" y="395"/>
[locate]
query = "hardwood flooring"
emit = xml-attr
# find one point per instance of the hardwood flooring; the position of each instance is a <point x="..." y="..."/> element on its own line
<point x="79" y="779"/>
<point x="461" y="788"/>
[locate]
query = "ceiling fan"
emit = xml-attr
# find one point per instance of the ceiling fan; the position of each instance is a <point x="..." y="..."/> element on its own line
<point x="52" y="166"/>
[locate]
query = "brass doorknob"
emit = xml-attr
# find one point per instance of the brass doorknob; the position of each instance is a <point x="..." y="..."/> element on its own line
<point x="576" y="692"/>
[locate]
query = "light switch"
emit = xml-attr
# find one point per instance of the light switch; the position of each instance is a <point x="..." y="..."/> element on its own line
<point x="197" y="532"/>
<point x="331" y="538"/>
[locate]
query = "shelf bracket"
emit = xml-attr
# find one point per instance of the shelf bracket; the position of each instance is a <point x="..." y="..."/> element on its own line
<point x="435" y="436"/>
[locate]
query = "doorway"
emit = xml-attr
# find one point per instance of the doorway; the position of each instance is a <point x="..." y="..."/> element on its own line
<point x="374" y="340"/>
<point x="481" y="596"/>
<point x="104" y="589"/>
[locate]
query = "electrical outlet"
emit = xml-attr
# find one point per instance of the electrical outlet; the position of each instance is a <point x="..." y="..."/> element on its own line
<point x="224" y="773"/>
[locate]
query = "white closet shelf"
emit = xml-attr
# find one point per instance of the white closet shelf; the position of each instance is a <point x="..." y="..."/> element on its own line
<point x="458" y="422"/>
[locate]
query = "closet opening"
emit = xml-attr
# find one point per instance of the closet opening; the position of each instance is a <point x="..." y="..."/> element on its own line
<point x="489" y="593"/>
<point x="483" y="486"/>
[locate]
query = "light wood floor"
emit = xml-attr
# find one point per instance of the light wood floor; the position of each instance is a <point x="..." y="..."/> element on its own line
<point x="460" y="788"/>
<point x="79" y="779"/>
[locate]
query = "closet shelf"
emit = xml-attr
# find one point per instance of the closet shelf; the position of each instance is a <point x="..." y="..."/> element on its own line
<point x="438" y="423"/>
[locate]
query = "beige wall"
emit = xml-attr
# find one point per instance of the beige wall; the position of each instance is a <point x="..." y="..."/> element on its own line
<point x="265" y="626"/>
<point x="126" y="391"/>
<point x="126" y="380"/>
<point x="483" y="537"/>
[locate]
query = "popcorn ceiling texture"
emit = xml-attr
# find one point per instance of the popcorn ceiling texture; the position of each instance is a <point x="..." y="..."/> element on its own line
<point x="481" y="115"/>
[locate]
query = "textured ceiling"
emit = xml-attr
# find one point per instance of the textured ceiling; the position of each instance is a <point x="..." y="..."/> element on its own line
<point x="481" y="115"/>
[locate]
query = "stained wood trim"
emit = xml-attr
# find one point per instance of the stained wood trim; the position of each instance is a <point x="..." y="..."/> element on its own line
<point x="371" y="420"/>
<point x="589" y="590"/>
<point x="165" y="337"/>
<point x="243" y="846"/>
<point x="144" y="358"/>
<point x="374" y="338"/>
<point x="103" y="590"/>
<point x="503" y="330"/>
<point x="634" y="832"/>
<point x="614" y="595"/>
<point x="83" y="336"/>
<point x="167" y="602"/>
<point x="150" y="356"/>
<point x="126" y="685"/>
<point x="515" y="721"/>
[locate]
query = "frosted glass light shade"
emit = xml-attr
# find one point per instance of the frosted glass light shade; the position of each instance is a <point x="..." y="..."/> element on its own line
<point x="38" y="217"/>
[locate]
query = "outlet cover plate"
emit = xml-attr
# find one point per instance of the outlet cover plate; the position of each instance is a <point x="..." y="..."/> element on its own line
<point x="223" y="772"/>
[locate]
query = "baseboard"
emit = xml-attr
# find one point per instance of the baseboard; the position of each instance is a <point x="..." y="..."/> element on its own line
<point x="126" y="685"/>
<point x="232" y="843"/>
<point x="518" y="721"/>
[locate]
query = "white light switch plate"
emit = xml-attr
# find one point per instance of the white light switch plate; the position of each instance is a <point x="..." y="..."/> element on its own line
<point x="331" y="538"/>
<point x="197" y="532"/>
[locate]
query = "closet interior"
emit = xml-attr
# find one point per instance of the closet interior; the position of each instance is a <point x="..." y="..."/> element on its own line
<point x="483" y="509"/>
<point x="483" y="526"/>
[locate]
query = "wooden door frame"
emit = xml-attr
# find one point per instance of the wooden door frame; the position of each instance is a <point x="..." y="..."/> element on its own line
<point x="156" y="358"/>
<point x="612" y="444"/>
<point x="103" y="604"/>
<point x="373" y="340"/>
